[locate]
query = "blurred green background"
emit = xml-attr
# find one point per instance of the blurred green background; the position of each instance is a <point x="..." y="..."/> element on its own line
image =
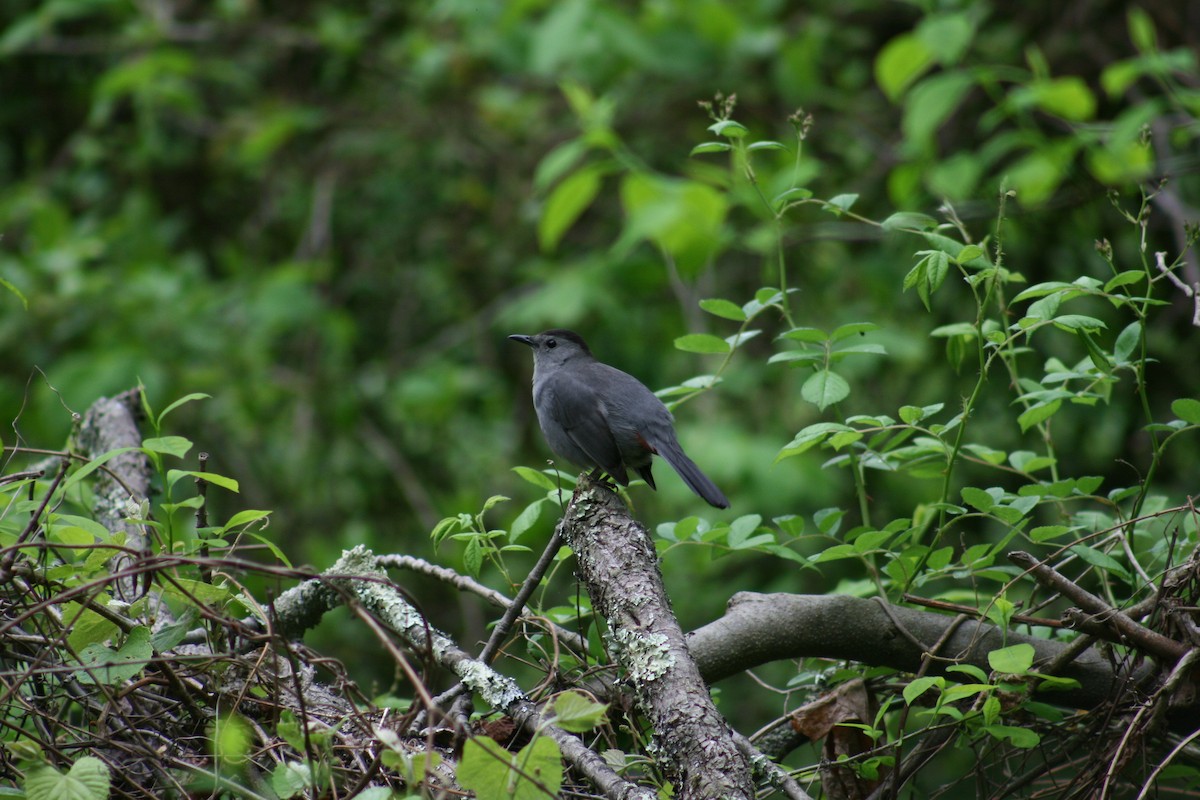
<point x="326" y="216"/>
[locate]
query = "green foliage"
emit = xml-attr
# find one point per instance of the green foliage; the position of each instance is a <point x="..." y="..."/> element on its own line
<point x="918" y="324"/>
<point x="534" y="771"/>
<point x="87" y="779"/>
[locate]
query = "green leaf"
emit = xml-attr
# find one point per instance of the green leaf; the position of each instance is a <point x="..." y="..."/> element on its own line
<point x="565" y="204"/>
<point x="829" y="520"/>
<point x="684" y="217"/>
<point x="1042" y="290"/>
<point x="232" y="739"/>
<point x="526" y="519"/>
<point x="901" y="61"/>
<point x="851" y="329"/>
<point x="92" y="531"/>
<point x="840" y="440"/>
<point x="791" y="195"/>
<point x="928" y="274"/>
<point x="968" y="669"/>
<point x="536" y="477"/>
<point x="108" y="666"/>
<point x="824" y="388"/>
<point x="88" y="627"/>
<point x="1187" y="409"/>
<point x="797" y="357"/>
<point x="87" y="779"/>
<point x="193" y="591"/>
<point x="556" y="163"/>
<point x="790" y="524"/>
<point x="494" y="501"/>
<point x="909" y="220"/>
<point x="473" y="556"/>
<point x="291" y="779"/>
<point x="729" y="129"/>
<point x="1015" y="659"/>
<point x="947" y="35"/>
<point x="841" y="202"/>
<point x="710" y="147"/>
<point x="978" y="498"/>
<point x="929" y="104"/>
<point x="740" y="338"/>
<point x="1017" y="737"/>
<point x="969" y="254"/>
<point x="723" y="308"/>
<point x="1127" y="342"/>
<point x="741" y="530"/>
<point x="1067" y="97"/>
<point x="181" y="401"/>
<point x="168" y="636"/>
<point x="488" y="769"/>
<point x="1126" y="278"/>
<point x="1038" y="414"/>
<point x="918" y="687"/>
<point x="702" y="343"/>
<point x="10" y="287"/>
<point x="1141" y="31"/>
<point x="811" y="335"/>
<point x="174" y="475"/>
<point x="244" y="518"/>
<point x="766" y="145"/>
<point x="810" y="437"/>
<point x="1044" y="533"/>
<point x="955" y="329"/>
<point x="577" y="713"/>
<point x="1078" y="322"/>
<point x="168" y="445"/>
<point x="965" y="690"/>
<point x="868" y="348"/>
<point x="1101" y="560"/>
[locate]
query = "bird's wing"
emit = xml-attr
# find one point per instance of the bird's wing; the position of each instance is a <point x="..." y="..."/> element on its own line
<point x="583" y="416"/>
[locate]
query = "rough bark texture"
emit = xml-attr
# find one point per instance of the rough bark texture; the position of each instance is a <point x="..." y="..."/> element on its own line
<point x="619" y="566"/>
<point x="111" y="424"/>
<point x="760" y="628"/>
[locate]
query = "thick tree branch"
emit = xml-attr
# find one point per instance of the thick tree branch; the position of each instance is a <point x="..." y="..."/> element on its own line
<point x="760" y="628"/>
<point x="619" y="566"/>
<point x="111" y="424"/>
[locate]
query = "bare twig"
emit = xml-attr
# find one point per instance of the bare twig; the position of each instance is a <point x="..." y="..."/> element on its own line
<point x="1139" y="635"/>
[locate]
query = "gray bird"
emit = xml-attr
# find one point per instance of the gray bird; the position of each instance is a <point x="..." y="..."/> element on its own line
<point x="599" y="417"/>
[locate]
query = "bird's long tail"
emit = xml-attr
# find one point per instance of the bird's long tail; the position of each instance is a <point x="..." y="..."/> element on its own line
<point x="691" y="474"/>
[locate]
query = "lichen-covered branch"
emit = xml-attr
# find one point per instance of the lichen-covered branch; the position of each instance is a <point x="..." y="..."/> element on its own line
<point x="619" y="566"/>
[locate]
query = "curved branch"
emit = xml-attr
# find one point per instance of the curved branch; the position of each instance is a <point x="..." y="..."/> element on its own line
<point x="760" y="628"/>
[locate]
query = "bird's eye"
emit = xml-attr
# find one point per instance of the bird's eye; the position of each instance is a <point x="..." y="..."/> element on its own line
<point x="551" y="343"/>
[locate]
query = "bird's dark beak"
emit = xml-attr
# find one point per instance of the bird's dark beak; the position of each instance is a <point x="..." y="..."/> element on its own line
<point x="522" y="338"/>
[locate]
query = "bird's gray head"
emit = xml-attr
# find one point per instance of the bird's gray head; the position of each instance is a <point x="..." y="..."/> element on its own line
<point x="554" y="348"/>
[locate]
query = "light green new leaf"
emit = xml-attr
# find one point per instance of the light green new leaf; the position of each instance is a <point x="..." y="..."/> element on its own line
<point x="565" y="204"/>
<point x="576" y="713"/>
<point x="1013" y="660"/>
<point x="710" y="147"/>
<point x="702" y="343"/>
<point x="901" y="61"/>
<point x="1187" y="410"/>
<point x="108" y="666"/>
<point x="168" y="445"/>
<point x="494" y="773"/>
<point x="723" y="308"/>
<point x="87" y="779"/>
<point x="824" y="388"/>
